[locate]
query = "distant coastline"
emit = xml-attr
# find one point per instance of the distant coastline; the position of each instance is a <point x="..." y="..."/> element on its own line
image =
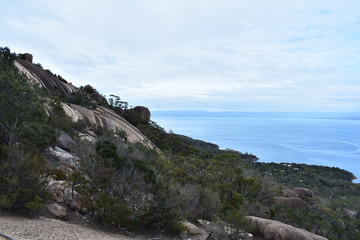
<point x="325" y="139"/>
<point x="224" y="114"/>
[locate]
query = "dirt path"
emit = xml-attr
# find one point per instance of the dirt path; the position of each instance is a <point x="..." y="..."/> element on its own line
<point x="20" y="228"/>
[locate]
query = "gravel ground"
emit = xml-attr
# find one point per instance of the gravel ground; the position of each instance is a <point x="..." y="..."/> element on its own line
<point x="20" y="228"/>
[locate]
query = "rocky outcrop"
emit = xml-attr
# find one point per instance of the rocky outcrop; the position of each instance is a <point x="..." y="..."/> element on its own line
<point x="105" y="117"/>
<point x="44" y="78"/>
<point x="292" y="202"/>
<point x="296" y="198"/>
<point x="275" y="230"/>
<point x="62" y="192"/>
<point x="101" y="116"/>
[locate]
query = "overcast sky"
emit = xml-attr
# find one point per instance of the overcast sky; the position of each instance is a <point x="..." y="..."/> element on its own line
<point x="217" y="55"/>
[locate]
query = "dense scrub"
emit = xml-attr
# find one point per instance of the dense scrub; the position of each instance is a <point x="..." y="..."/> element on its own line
<point x="334" y="194"/>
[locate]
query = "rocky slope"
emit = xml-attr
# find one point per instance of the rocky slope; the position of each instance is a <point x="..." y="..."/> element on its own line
<point x="101" y="116"/>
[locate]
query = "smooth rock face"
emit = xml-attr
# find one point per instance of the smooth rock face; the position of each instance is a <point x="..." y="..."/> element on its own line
<point x="293" y="202"/>
<point x="58" y="211"/>
<point x="107" y="118"/>
<point x="275" y="230"/>
<point x="43" y="78"/>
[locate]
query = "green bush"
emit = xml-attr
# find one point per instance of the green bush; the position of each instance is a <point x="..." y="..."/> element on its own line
<point x="108" y="150"/>
<point x="21" y="169"/>
<point x="37" y="134"/>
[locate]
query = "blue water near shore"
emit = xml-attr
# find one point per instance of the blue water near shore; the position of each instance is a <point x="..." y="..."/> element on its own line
<point x="327" y="142"/>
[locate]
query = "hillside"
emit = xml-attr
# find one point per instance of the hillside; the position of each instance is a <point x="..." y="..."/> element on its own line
<point x="69" y="153"/>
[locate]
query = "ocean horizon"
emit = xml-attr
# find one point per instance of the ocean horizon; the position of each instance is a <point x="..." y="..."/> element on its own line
<point x="325" y="139"/>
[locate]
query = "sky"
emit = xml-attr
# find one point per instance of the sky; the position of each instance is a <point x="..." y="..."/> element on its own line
<point x="209" y="55"/>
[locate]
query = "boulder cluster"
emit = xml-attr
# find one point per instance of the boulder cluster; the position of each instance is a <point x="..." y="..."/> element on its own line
<point x="296" y="198"/>
<point x="63" y="193"/>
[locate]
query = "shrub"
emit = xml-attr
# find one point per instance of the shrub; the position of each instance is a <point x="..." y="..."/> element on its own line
<point x="37" y="134"/>
<point x="108" y="150"/>
<point x="21" y="169"/>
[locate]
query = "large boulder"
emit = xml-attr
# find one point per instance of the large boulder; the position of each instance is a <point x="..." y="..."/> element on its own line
<point x="218" y="230"/>
<point x="58" y="210"/>
<point x="65" y="141"/>
<point x="137" y="115"/>
<point x="73" y="199"/>
<point x="56" y="188"/>
<point x="192" y="229"/>
<point x="143" y="113"/>
<point x="299" y="192"/>
<point x="28" y="57"/>
<point x="292" y="202"/>
<point x="61" y="192"/>
<point x="275" y="230"/>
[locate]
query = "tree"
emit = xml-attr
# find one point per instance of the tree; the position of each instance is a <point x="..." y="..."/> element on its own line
<point x="115" y="102"/>
<point x="21" y="108"/>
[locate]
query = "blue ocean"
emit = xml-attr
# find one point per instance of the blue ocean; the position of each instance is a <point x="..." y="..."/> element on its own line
<point x="333" y="142"/>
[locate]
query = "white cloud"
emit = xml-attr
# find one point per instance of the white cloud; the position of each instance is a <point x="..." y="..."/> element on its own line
<point x="279" y="55"/>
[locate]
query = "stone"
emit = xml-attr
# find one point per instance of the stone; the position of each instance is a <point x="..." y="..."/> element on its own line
<point x="292" y="202"/>
<point x="143" y="113"/>
<point x="63" y="157"/>
<point x="350" y="213"/>
<point x="275" y="230"/>
<point x="73" y="199"/>
<point x="56" y="188"/>
<point x="192" y="229"/>
<point x="28" y="57"/>
<point x="65" y="141"/>
<point x="298" y="192"/>
<point x="58" y="211"/>
<point x="303" y="192"/>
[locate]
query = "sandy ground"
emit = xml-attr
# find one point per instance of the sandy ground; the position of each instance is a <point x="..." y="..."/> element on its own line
<point x="20" y="228"/>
